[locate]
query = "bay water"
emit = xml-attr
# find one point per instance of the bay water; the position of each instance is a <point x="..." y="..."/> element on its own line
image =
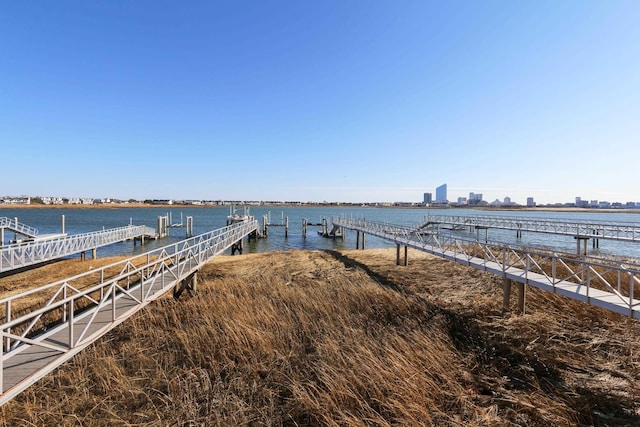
<point x="78" y="220"/>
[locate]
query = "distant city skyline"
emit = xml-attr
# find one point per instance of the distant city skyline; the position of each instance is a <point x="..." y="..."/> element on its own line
<point x="360" y="101"/>
<point x="473" y="199"/>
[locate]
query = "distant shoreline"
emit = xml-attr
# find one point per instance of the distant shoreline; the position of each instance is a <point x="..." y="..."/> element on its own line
<point x="175" y="206"/>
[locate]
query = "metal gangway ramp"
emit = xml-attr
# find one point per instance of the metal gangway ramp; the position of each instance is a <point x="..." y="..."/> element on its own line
<point x="607" y="283"/>
<point x="42" y="250"/>
<point x="38" y="337"/>
<point x="624" y="231"/>
<point x="16" y="227"/>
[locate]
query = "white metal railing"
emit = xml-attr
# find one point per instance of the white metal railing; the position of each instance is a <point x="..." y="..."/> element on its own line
<point x="71" y="309"/>
<point x="18" y="227"/>
<point x="628" y="231"/>
<point x="42" y="250"/>
<point x="606" y="282"/>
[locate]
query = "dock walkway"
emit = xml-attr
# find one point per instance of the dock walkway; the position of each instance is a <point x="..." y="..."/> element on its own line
<point x="46" y="335"/>
<point x="589" y="229"/>
<point x="608" y="283"/>
<point x="40" y="250"/>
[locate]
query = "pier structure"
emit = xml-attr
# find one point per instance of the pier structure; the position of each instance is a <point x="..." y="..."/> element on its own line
<point x="611" y="284"/>
<point x="284" y="223"/>
<point x="236" y="218"/>
<point x="581" y="230"/>
<point x="37" y="337"/>
<point x="189" y="226"/>
<point x="47" y="248"/>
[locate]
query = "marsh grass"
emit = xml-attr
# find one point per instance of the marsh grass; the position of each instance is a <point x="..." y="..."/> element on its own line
<point x="348" y="338"/>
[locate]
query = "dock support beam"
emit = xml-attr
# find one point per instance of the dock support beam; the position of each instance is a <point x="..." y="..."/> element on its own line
<point x="190" y="284"/>
<point x="236" y="247"/>
<point x="397" y="253"/>
<point x="163" y="227"/>
<point x="596" y="241"/>
<point x="486" y="233"/>
<point x="506" y="295"/>
<point x="580" y="239"/>
<point x="522" y="297"/>
<point x="189" y="227"/>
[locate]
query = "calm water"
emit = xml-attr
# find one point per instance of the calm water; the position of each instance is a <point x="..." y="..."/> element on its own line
<point x="206" y="219"/>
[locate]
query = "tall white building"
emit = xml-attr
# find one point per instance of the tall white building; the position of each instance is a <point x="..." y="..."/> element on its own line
<point x="441" y="194"/>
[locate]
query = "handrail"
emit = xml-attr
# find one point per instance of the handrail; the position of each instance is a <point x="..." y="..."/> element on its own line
<point x="616" y="230"/>
<point x="18" y="256"/>
<point x="19" y="227"/>
<point x="139" y="280"/>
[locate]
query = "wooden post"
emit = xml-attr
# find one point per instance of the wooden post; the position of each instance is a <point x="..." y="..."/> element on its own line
<point x="189" y="227"/>
<point x="363" y="240"/>
<point x="522" y="299"/>
<point x="286" y="227"/>
<point x="94" y="253"/>
<point x="406" y="256"/>
<point x="506" y="293"/>
<point x="397" y="253"/>
<point x="357" y="239"/>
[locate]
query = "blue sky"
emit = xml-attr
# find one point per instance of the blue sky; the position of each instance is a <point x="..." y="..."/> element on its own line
<point x="324" y="100"/>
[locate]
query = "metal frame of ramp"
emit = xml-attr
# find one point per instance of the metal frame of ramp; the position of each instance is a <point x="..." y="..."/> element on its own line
<point x="23" y="255"/>
<point x="608" y="283"/>
<point x="39" y="341"/>
<point x="16" y="227"/>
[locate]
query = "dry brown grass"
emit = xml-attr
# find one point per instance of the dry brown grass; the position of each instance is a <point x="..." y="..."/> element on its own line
<point x="348" y="338"/>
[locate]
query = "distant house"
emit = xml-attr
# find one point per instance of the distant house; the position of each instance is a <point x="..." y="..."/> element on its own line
<point x="17" y="200"/>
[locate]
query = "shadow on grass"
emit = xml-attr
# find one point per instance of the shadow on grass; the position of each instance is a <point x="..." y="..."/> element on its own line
<point x="503" y="367"/>
<point x="377" y="277"/>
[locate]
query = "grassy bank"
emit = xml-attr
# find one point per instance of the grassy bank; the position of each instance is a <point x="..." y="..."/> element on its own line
<point x="347" y="338"/>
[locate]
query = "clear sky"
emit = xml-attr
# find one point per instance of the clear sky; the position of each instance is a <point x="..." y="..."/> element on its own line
<point x="320" y="100"/>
